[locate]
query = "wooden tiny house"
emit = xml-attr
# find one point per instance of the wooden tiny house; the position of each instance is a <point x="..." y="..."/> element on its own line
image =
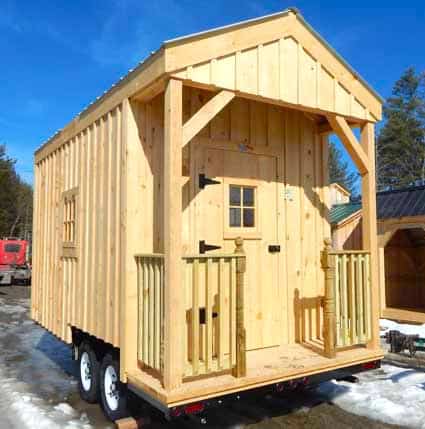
<point x="181" y="218"/>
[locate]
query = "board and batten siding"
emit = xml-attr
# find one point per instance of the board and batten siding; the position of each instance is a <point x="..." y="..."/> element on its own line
<point x="80" y="286"/>
<point x="282" y="70"/>
<point x="302" y="198"/>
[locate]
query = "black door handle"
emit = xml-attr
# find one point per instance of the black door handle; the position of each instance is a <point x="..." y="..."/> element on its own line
<point x="204" y="247"/>
<point x="274" y="248"/>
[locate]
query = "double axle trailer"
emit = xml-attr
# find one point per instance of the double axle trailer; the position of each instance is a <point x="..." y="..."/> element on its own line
<point x="181" y="222"/>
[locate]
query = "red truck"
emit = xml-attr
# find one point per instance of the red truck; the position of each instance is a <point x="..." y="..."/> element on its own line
<point x="14" y="267"/>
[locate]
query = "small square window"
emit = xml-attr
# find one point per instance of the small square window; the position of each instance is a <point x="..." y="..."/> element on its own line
<point x="69" y="230"/>
<point x="241" y="206"/>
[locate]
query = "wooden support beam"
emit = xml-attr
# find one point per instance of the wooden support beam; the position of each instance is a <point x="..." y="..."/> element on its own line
<point x="205" y="114"/>
<point x="343" y="131"/>
<point x="173" y="292"/>
<point x="369" y="226"/>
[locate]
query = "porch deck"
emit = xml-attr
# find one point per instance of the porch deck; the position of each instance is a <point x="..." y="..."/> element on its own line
<point x="405" y="314"/>
<point x="265" y="366"/>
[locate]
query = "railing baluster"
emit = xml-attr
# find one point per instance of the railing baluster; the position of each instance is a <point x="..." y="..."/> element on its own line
<point x="208" y="315"/>
<point x="352" y="298"/>
<point x="140" y="273"/>
<point x="367" y="297"/>
<point x="157" y="308"/>
<point x="221" y="314"/>
<point x="360" y="288"/>
<point x="338" y="299"/>
<point x="146" y="312"/>
<point x="232" y="280"/>
<point x="195" y="316"/>
<point x="344" y="303"/>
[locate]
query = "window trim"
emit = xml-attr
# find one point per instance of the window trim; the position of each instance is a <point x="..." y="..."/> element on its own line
<point x="69" y="248"/>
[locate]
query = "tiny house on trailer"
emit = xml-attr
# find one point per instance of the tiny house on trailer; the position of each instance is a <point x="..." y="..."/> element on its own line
<point x="181" y="222"/>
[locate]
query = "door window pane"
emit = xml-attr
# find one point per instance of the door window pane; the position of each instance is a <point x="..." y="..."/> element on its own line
<point x="248" y="197"/>
<point x="248" y="217"/>
<point x="241" y="206"/>
<point x="235" y="195"/>
<point x="235" y="217"/>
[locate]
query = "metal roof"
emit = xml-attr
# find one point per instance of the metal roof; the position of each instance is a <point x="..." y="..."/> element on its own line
<point x="395" y="203"/>
<point x="340" y="212"/>
<point x="401" y="202"/>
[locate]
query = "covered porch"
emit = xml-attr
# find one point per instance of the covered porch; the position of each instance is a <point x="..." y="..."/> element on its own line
<point x="200" y="330"/>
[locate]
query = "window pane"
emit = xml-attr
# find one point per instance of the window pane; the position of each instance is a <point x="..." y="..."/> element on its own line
<point x="248" y="197"/>
<point x="248" y="217"/>
<point x="235" y="217"/>
<point x="12" y="248"/>
<point x="235" y="195"/>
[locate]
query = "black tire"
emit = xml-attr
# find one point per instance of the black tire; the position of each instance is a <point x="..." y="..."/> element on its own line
<point x="116" y="394"/>
<point x="89" y="386"/>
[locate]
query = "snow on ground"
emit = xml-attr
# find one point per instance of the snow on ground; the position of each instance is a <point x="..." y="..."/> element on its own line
<point x="392" y="395"/>
<point x="404" y="328"/>
<point x="34" y="387"/>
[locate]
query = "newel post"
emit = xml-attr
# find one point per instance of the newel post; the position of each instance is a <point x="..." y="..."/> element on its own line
<point x="328" y="265"/>
<point x="240" y="369"/>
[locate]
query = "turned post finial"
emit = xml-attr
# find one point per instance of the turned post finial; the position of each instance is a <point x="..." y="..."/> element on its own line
<point x="239" y="245"/>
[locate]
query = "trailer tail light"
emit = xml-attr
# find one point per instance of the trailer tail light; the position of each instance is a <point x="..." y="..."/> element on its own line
<point x="196" y="408"/>
<point x="371" y="365"/>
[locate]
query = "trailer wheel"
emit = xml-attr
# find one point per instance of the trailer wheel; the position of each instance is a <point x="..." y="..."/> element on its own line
<point x="113" y="393"/>
<point x="88" y="379"/>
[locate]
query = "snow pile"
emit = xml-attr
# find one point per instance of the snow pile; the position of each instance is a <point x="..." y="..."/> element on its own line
<point x="30" y="411"/>
<point x="392" y="395"/>
<point x="404" y="328"/>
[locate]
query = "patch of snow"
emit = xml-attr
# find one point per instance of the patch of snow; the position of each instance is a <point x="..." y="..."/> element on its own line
<point x="404" y="328"/>
<point x="13" y="309"/>
<point x="392" y="395"/>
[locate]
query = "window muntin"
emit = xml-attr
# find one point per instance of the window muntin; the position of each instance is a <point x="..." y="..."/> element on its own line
<point x="241" y="206"/>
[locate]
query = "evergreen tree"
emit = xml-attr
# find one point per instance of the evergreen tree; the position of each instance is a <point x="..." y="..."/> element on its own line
<point x="339" y="170"/>
<point x="401" y="141"/>
<point x="15" y="200"/>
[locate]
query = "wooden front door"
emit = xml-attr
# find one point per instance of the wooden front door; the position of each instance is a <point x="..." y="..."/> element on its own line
<point x="244" y="203"/>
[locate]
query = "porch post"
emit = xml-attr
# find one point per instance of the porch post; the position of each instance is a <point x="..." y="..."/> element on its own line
<point x="329" y="322"/>
<point x="369" y="228"/>
<point x="173" y="288"/>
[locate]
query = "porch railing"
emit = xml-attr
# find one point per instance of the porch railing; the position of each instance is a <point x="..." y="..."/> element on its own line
<point x="214" y="294"/>
<point x="214" y="315"/>
<point x="150" y="280"/>
<point x="348" y="311"/>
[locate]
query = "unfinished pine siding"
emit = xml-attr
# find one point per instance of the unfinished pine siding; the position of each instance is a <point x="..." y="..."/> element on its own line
<point x="80" y="286"/>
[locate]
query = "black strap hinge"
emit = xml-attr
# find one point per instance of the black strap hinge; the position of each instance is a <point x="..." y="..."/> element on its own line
<point x="205" y="181"/>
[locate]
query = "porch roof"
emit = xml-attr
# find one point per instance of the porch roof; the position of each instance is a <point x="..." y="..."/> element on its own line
<point x="277" y="58"/>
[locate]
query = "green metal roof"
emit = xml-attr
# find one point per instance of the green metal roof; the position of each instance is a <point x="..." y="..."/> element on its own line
<point x="339" y="212"/>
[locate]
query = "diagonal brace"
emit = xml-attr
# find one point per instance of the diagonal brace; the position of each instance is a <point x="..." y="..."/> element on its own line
<point x="343" y="131"/>
<point x="205" y="114"/>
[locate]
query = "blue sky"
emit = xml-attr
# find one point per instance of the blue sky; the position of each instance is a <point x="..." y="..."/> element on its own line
<point x="57" y="56"/>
